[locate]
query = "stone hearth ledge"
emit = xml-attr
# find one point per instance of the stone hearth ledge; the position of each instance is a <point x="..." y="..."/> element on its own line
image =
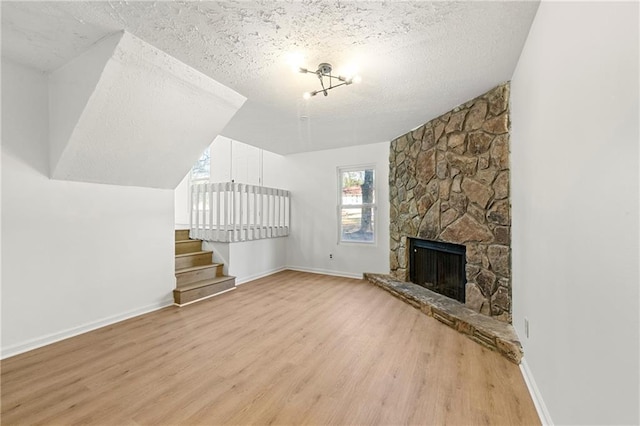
<point x="489" y="332"/>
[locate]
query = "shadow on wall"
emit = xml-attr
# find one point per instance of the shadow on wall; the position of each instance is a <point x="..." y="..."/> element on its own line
<point x="31" y="151"/>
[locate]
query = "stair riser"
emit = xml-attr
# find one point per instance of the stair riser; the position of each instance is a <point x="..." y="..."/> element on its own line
<point x="182" y="234"/>
<point x="195" y="294"/>
<point x="199" y="275"/>
<point x="188" y="247"/>
<point x="194" y="260"/>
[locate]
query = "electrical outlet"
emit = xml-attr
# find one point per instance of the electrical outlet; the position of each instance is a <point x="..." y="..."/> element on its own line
<point x="330" y="255"/>
<point x="526" y="327"/>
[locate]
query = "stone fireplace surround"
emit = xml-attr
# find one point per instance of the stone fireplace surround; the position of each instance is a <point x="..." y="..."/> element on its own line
<point x="449" y="182"/>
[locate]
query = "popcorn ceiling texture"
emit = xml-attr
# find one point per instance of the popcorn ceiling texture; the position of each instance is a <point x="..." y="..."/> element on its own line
<point x="125" y="125"/>
<point x="406" y="52"/>
<point x="233" y="40"/>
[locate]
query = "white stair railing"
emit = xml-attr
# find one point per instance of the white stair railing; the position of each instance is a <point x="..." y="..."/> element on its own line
<point x="230" y="212"/>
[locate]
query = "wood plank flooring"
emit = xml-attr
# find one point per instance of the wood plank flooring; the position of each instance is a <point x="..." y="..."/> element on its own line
<point x="293" y="348"/>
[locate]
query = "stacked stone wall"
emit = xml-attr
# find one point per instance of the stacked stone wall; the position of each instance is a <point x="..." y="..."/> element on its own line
<point x="449" y="181"/>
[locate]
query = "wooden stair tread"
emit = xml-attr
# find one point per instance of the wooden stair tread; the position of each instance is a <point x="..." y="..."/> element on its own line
<point x="204" y="283"/>
<point x="197" y="276"/>
<point x="197" y="268"/>
<point x="193" y="253"/>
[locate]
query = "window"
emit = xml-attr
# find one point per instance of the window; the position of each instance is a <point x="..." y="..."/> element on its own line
<point x="202" y="169"/>
<point x="356" y="205"/>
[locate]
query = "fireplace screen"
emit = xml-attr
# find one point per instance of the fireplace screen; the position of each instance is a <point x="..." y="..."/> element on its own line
<point x="440" y="267"/>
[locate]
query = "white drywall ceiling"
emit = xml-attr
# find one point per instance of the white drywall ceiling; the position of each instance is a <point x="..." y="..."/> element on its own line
<point x="126" y="113"/>
<point x="417" y="59"/>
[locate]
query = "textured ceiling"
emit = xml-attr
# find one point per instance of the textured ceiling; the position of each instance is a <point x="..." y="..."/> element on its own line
<point x="417" y="59"/>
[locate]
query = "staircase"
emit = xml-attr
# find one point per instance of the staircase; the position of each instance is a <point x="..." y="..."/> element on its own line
<point x="197" y="277"/>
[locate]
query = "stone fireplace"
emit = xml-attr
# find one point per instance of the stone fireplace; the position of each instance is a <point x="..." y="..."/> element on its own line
<point x="438" y="266"/>
<point x="449" y="182"/>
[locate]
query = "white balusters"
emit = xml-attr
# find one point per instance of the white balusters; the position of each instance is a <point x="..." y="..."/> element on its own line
<point x="231" y="212"/>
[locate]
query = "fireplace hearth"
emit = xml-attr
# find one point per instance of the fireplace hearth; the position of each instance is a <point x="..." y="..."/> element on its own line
<point x="438" y="266"/>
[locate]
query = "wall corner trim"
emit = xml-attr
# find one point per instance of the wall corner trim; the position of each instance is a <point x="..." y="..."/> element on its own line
<point x="325" y="272"/>
<point x="247" y="279"/>
<point x="541" y="408"/>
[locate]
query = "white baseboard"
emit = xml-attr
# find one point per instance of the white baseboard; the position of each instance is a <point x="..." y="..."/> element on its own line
<point x="325" y="272"/>
<point x="541" y="408"/>
<point x="204" y="298"/>
<point x="244" y="280"/>
<point x="74" y="331"/>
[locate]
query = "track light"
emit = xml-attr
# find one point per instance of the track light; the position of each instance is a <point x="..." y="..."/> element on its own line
<point x="324" y="72"/>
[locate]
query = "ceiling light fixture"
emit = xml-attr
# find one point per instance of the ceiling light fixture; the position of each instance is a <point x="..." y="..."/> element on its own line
<point x="324" y="71"/>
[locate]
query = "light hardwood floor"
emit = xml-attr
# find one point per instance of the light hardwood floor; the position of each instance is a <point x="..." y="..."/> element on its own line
<point x="293" y="348"/>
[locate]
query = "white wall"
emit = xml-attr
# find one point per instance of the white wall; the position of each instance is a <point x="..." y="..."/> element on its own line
<point x="75" y="256"/>
<point x="237" y="161"/>
<point x="254" y="259"/>
<point x="575" y="210"/>
<point x="274" y="173"/>
<point x="181" y="203"/>
<point x="242" y="163"/>
<point x="221" y="160"/>
<point x="312" y="178"/>
<point x="250" y="260"/>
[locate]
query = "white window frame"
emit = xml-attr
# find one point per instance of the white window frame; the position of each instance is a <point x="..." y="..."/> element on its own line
<point x="373" y="206"/>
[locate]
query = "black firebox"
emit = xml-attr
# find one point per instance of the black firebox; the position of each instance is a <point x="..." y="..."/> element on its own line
<point x="438" y="266"/>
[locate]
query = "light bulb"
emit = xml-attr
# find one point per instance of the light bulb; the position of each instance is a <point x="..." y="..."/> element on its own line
<point x="295" y="60"/>
<point x="306" y="95"/>
<point x="357" y="79"/>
